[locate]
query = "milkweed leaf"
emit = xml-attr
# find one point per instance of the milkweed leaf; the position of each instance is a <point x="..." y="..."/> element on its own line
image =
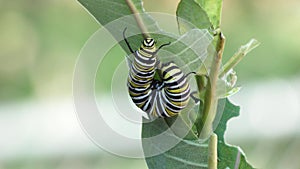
<point x="191" y="15"/>
<point x="213" y="9"/>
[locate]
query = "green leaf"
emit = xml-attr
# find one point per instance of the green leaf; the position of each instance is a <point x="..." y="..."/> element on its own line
<point x="190" y="154"/>
<point x="115" y="16"/>
<point x="193" y="153"/>
<point x="229" y="156"/>
<point x="189" y="50"/>
<point x="191" y="15"/>
<point x="230" y="111"/>
<point x="213" y="9"/>
<point x="106" y="11"/>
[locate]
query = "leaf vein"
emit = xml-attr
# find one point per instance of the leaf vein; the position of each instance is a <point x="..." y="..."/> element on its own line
<point x="185" y="161"/>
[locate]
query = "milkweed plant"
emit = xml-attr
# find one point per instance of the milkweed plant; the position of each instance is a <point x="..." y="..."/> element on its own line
<point x="178" y="80"/>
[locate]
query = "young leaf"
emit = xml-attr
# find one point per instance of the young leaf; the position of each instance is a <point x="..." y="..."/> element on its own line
<point x="239" y="55"/>
<point x="191" y="15"/>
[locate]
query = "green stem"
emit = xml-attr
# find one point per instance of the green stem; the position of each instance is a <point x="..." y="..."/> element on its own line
<point x="233" y="61"/>
<point x="213" y="152"/>
<point x="138" y="18"/>
<point x="211" y="100"/>
<point x="238" y="56"/>
<point x="201" y="80"/>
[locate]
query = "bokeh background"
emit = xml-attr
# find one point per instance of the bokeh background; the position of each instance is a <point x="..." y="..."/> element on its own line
<point x="39" y="44"/>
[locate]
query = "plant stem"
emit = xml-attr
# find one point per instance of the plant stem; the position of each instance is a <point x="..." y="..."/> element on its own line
<point x="211" y="100"/>
<point x="233" y="61"/>
<point x="238" y="56"/>
<point x="213" y="152"/>
<point x="138" y="18"/>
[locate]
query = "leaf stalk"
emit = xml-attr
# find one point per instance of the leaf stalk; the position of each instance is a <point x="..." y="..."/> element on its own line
<point x="138" y="19"/>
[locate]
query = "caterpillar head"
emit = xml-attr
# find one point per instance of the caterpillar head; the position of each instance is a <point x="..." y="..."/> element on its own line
<point x="149" y="43"/>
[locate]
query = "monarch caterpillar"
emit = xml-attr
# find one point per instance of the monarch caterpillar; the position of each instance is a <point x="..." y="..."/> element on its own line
<point x="163" y="98"/>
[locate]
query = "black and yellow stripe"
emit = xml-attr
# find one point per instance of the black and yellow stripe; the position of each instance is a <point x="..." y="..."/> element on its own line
<point x="141" y="73"/>
<point x="163" y="98"/>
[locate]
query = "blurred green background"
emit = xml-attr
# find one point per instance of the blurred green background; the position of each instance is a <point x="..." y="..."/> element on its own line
<point x="40" y="41"/>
